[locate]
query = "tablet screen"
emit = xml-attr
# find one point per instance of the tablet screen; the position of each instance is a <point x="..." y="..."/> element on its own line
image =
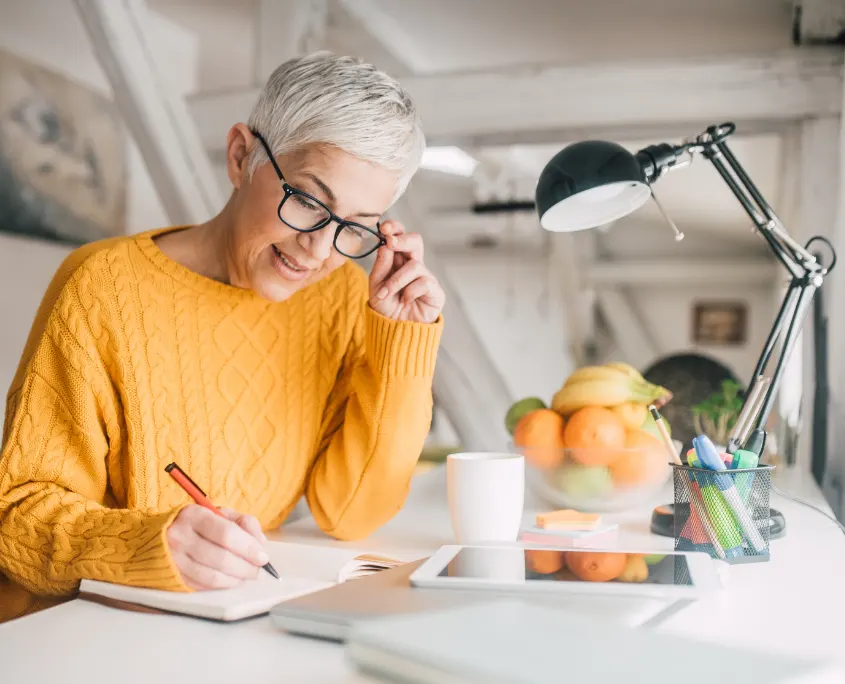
<point x="518" y="564"/>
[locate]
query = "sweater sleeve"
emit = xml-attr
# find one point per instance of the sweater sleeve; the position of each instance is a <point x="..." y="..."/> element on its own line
<point x="55" y="525"/>
<point x="378" y="417"/>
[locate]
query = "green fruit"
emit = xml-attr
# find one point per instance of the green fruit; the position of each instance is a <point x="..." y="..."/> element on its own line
<point x="583" y="482"/>
<point x="519" y="409"/>
<point x="653" y="559"/>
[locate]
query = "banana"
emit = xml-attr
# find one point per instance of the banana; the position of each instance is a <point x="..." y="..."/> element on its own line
<point x="607" y="393"/>
<point x="628" y="370"/>
<point x="605" y="374"/>
<point x="596" y="373"/>
<point x="572" y="397"/>
<point x="610" y="385"/>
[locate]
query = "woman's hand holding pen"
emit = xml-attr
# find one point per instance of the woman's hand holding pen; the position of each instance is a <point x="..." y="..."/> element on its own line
<point x="214" y="552"/>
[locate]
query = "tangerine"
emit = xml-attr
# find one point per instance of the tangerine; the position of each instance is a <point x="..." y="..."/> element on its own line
<point x="594" y="434"/>
<point x="596" y="566"/>
<point x="539" y="435"/>
<point x="543" y="561"/>
<point x="641" y="461"/>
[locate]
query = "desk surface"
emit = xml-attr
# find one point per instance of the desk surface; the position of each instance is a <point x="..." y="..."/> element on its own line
<point x="793" y="604"/>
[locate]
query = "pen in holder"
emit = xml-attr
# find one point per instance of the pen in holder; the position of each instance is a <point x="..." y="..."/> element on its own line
<point x="711" y="515"/>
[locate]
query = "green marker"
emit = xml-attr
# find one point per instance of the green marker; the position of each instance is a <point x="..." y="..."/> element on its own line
<point x="743" y="481"/>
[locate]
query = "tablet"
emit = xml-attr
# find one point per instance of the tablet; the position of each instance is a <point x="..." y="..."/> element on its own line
<point x="672" y="574"/>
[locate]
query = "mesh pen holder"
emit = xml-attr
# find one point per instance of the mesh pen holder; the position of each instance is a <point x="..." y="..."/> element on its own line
<point x="724" y="513"/>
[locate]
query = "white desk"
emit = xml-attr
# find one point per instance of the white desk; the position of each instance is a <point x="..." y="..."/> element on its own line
<point x="793" y="604"/>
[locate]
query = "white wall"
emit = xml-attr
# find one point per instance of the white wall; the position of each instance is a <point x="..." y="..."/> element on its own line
<point x="217" y="24"/>
<point x="528" y="343"/>
<point x="526" y="340"/>
<point x="50" y="33"/>
<point x="668" y="316"/>
<point x="26" y="267"/>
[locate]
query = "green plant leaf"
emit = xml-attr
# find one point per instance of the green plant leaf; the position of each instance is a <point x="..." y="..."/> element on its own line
<point x="721" y="408"/>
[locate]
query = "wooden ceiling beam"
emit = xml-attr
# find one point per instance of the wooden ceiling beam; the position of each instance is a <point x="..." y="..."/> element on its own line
<point x="649" y="100"/>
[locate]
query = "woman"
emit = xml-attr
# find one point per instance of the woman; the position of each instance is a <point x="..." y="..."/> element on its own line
<point x="252" y="350"/>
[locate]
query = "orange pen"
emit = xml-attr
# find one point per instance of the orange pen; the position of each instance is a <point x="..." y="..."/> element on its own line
<point x="201" y="499"/>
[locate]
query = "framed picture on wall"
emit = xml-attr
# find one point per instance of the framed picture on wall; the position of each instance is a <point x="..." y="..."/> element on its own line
<point x="720" y="323"/>
<point x="62" y="156"/>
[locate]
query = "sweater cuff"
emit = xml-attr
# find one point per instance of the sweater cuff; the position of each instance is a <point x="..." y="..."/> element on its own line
<point x="402" y="348"/>
<point x="152" y="564"/>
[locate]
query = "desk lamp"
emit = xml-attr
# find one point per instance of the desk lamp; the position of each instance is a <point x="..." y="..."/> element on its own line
<point x="594" y="182"/>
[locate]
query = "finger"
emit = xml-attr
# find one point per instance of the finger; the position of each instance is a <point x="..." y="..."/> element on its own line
<point x="392" y="227"/>
<point x="227" y="534"/>
<point x="246" y="522"/>
<point x="382" y="267"/>
<point x="222" y="560"/>
<point x="399" y="260"/>
<point x="404" y="276"/>
<point x="409" y="243"/>
<point x="202" y="577"/>
<point x="229" y="513"/>
<point x="386" y="259"/>
<point x="251" y="525"/>
<point x="420" y="288"/>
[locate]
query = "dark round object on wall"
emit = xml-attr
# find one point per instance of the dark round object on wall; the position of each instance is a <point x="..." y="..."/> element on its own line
<point x="692" y="378"/>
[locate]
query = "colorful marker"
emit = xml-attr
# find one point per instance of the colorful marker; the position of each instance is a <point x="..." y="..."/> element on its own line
<point x="710" y="458"/>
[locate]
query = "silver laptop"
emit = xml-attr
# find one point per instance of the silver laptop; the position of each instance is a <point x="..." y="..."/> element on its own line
<point x="330" y="613"/>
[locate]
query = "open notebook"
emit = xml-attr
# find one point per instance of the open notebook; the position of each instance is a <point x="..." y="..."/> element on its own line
<point x="303" y="569"/>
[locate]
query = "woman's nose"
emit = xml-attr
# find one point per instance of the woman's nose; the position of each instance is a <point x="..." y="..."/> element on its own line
<point x="319" y="243"/>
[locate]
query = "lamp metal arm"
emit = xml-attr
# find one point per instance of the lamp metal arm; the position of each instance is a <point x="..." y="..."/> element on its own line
<point x="807" y="273"/>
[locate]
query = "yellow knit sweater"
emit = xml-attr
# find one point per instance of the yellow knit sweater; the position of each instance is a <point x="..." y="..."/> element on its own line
<point x="135" y="361"/>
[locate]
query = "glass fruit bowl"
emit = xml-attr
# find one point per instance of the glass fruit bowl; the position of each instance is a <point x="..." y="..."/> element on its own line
<point x="597" y="480"/>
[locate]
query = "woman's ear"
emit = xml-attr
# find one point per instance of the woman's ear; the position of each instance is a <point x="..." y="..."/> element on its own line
<point x="239" y="142"/>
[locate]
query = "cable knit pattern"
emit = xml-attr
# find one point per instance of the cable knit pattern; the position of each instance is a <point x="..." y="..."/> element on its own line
<point x="134" y="361"/>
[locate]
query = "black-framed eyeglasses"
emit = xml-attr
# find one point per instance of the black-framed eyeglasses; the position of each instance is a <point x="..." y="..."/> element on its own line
<point x="306" y="214"/>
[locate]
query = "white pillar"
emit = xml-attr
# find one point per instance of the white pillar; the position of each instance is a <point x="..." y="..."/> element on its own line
<point x="153" y="110"/>
<point x="630" y="334"/>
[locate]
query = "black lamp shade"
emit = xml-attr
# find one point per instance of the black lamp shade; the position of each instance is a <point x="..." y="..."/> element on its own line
<point x="589" y="184"/>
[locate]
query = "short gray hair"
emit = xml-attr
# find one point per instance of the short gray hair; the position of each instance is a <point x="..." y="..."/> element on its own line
<point x="340" y="101"/>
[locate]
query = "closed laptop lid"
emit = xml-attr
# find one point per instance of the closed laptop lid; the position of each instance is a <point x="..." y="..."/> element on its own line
<point x="330" y="612"/>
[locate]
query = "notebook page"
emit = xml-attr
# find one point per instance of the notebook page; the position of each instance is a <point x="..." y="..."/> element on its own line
<point x="253" y="597"/>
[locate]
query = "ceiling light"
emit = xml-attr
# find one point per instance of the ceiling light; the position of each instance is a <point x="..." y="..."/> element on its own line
<point x="452" y="160"/>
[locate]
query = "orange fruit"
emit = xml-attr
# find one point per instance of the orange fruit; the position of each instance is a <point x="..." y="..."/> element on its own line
<point x="543" y="561"/>
<point x="596" y="566"/>
<point x="565" y="575"/>
<point x="641" y="461"/>
<point x="595" y="435"/>
<point x="539" y="435"/>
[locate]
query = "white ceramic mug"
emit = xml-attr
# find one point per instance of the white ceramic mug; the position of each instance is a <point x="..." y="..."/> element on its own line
<point x="486" y="496"/>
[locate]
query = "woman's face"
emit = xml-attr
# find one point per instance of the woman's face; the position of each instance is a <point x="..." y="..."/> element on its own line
<point x="269" y="257"/>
